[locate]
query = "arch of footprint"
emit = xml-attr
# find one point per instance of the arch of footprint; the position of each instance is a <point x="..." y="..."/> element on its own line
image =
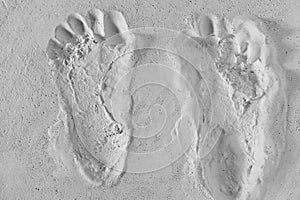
<point x="214" y="93"/>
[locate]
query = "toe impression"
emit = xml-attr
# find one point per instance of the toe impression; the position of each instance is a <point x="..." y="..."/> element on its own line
<point x="206" y="26"/>
<point x="54" y="49"/>
<point x="78" y="24"/>
<point x="97" y="21"/>
<point x="63" y="33"/>
<point x="115" y="24"/>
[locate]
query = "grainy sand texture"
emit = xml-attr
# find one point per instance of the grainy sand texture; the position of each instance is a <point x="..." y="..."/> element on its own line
<point x="178" y="100"/>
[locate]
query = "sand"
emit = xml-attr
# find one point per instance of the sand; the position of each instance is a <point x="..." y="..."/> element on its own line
<point x="149" y="100"/>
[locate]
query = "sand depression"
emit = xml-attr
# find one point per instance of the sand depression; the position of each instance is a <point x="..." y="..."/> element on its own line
<point x="133" y="100"/>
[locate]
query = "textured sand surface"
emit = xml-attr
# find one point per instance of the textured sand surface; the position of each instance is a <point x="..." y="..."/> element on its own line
<point x="236" y="154"/>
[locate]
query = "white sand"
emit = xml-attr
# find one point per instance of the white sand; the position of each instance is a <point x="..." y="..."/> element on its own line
<point x="212" y="104"/>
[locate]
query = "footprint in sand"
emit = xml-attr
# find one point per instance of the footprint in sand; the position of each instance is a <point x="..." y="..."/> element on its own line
<point x="89" y="56"/>
<point x="236" y="158"/>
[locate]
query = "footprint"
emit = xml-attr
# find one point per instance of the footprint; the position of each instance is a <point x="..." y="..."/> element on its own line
<point x="89" y="55"/>
<point x="248" y="85"/>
